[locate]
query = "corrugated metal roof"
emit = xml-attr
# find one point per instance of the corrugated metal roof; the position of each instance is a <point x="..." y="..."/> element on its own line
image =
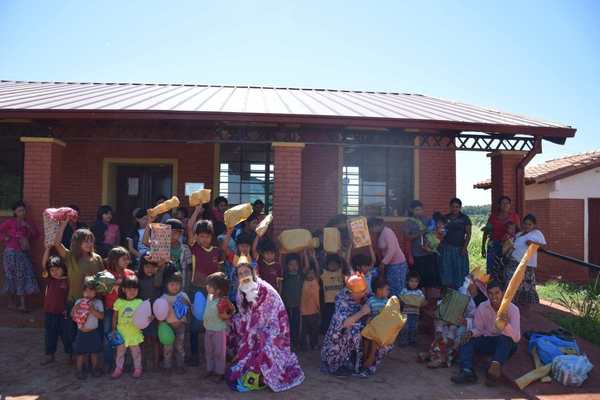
<point x="252" y="100"/>
<point x="555" y="169"/>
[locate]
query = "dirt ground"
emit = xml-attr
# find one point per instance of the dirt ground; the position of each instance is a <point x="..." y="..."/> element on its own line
<point x="400" y="377"/>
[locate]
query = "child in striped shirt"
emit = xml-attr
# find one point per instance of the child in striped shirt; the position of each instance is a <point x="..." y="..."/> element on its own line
<point x="412" y="300"/>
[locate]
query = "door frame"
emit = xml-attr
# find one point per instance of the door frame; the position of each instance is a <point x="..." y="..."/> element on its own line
<point x="109" y="168"/>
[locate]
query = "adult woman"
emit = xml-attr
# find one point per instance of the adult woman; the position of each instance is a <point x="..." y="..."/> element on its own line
<point x="393" y="261"/>
<point x="16" y="233"/>
<point x="341" y="353"/>
<point x="425" y="262"/>
<point x="495" y="230"/>
<point x="261" y="341"/>
<point x="529" y="235"/>
<point x="454" y="256"/>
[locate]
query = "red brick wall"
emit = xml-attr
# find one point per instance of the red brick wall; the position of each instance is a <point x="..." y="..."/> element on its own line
<point x="437" y="179"/>
<point x="562" y="222"/>
<point x="320" y="184"/>
<point x="287" y="191"/>
<point x="504" y="179"/>
<point x="82" y="168"/>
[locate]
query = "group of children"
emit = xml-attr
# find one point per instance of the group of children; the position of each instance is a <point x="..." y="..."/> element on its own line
<point x="203" y="258"/>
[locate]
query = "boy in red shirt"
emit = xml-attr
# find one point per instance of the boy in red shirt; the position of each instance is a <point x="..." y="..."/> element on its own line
<point x="268" y="268"/>
<point x="206" y="260"/>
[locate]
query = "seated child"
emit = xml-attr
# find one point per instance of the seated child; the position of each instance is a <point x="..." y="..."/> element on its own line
<point x="411" y="295"/>
<point x="122" y="322"/>
<point x="291" y="293"/>
<point x="56" y="323"/>
<point x="310" y="306"/>
<point x="377" y="302"/>
<point x="216" y="314"/>
<point x="173" y="291"/>
<point x="332" y="279"/>
<point x="444" y="348"/>
<point x="88" y="342"/>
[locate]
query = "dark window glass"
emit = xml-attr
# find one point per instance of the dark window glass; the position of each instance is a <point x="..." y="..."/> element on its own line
<point x="377" y="180"/>
<point x="246" y="173"/>
<point x="11" y="171"/>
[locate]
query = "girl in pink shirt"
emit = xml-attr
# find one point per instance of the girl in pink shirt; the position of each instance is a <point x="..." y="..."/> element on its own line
<point x="19" y="280"/>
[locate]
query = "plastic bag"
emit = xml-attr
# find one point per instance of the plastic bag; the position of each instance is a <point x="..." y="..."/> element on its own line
<point x="293" y="240"/>
<point x="165" y="206"/>
<point x="200" y="197"/>
<point x="180" y="308"/>
<point x="452" y="307"/>
<point x="571" y="370"/>
<point x="549" y="347"/>
<point x="104" y="281"/>
<point x="332" y="241"/>
<point x="262" y="228"/>
<point x="237" y="214"/>
<point x="385" y="327"/>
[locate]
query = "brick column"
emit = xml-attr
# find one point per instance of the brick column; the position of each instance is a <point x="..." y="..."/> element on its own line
<point x="41" y="177"/>
<point x="504" y="176"/>
<point x="287" y="192"/>
<point x="435" y="178"/>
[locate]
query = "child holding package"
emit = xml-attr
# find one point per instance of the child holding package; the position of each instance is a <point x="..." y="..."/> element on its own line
<point x="124" y="307"/>
<point x="217" y="312"/>
<point x="174" y="291"/>
<point x="310" y="304"/>
<point x="88" y="342"/>
<point x="150" y="289"/>
<point x="381" y="292"/>
<point x="268" y="268"/>
<point x="56" y="322"/>
<point x="412" y="300"/>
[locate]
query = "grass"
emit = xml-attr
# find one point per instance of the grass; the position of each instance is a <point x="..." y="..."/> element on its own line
<point x="550" y="291"/>
<point x="475" y="258"/>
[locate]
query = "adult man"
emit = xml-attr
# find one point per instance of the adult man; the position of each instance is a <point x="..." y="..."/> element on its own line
<point x="485" y="338"/>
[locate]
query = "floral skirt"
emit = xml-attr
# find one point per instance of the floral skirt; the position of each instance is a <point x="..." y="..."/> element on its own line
<point x="19" y="278"/>
<point x="526" y="294"/>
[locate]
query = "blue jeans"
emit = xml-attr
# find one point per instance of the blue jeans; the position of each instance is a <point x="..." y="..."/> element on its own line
<point x="109" y="352"/>
<point x="499" y="347"/>
<point x="395" y="275"/>
<point x="408" y="334"/>
<point x="55" y="326"/>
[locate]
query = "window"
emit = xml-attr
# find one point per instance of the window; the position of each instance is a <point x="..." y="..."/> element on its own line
<point x="11" y="171"/>
<point x="377" y="181"/>
<point x="246" y="173"/>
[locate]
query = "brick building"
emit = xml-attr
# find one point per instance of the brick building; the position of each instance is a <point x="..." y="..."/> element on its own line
<point x="564" y="195"/>
<point x="307" y="153"/>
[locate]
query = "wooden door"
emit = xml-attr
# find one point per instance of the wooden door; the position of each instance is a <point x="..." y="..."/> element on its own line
<point x="139" y="186"/>
<point x="594" y="231"/>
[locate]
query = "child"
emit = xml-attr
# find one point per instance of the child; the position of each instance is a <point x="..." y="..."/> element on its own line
<point x="107" y="234"/>
<point x="181" y="213"/>
<point x="181" y="256"/>
<point x="268" y="267"/>
<point x="56" y="323"/>
<point x="150" y="289"/>
<point x="216" y="314"/>
<point x="508" y="241"/>
<point x="310" y="305"/>
<point x="88" y="341"/>
<point x="243" y="246"/>
<point x="364" y="264"/>
<point x="206" y="259"/>
<point x="124" y="308"/>
<point x="412" y="299"/>
<point x="117" y="263"/>
<point x="333" y="281"/>
<point x="435" y="233"/>
<point x="173" y="291"/>
<point x="291" y="293"/>
<point x="218" y="211"/>
<point x="135" y="242"/>
<point x="377" y="302"/>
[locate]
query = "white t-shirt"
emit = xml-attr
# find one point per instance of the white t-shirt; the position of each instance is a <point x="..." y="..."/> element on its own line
<point x="92" y="322"/>
<point x="521" y="245"/>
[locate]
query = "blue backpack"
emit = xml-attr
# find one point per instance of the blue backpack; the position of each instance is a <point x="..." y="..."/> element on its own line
<point x="550" y="346"/>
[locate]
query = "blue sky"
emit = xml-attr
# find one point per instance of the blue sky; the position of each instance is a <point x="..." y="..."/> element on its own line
<point x="539" y="58"/>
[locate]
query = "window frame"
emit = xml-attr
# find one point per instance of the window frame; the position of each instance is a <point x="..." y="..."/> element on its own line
<point x="268" y="174"/>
